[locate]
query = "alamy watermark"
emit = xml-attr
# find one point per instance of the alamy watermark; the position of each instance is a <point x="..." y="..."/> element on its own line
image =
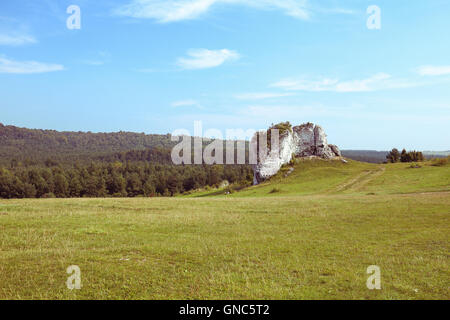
<point x="74" y="280"/>
<point x="74" y="20"/>
<point x="374" y="20"/>
<point x="374" y="280"/>
<point x="191" y="148"/>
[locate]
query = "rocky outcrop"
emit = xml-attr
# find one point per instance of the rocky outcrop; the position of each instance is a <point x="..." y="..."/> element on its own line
<point x="305" y="140"/>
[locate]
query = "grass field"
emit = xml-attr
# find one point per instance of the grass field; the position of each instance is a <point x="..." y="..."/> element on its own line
<point x="310" y="235"/>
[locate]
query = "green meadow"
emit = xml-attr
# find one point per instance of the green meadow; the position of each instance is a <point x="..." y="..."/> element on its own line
<point x="308" y="233"/>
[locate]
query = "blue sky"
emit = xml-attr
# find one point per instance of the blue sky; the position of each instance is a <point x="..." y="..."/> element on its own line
<point x="156" y="66"/>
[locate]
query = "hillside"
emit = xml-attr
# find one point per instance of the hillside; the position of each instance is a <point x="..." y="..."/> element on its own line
<point x="317" y="176"/>
<point x="40" y="145"/>
<point x="50" y="147"/>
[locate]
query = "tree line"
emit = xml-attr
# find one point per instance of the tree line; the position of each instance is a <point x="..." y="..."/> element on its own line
<point x="116" y="179"/>
<point x="411" y="156"/>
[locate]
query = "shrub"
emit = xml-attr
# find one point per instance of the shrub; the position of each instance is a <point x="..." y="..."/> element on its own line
<point x="439" y="162"/>
<point x="282" y="128"/>
<point x="49" y="195"/>
<point x="275" y="190"/>
<point x="228" y="190"/>
<point x="293" y="159"/>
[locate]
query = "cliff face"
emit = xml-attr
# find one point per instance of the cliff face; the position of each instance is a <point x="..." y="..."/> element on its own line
<point x="302" y="141"/>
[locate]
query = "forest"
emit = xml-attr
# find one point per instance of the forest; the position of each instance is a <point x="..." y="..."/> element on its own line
<point x="115" y="179"/>
<point x="35" y="146"/>
<point x="47" y="163"/>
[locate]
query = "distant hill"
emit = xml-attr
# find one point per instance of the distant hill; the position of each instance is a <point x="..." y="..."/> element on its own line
<point x="37" y="146"/>
<point x="373" y="156"/>
<point x="40" y="145"/>
<point x="437" y="154"/>
<point x="370" y="156"/>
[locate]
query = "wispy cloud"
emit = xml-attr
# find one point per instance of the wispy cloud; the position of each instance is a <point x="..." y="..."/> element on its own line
<point x="204" y="58"/>
<point x="281" y="111"/>
<point x="27" y="67"/>
<point x="298" y="113"/>
<point x="433" y="70"/>
<point x="340" y="11"/>
<point x="380" y="81"/>
<point x="16" y="39"/>
<point x="261" y="95"/>
<point x="186" y="103"/>
<point x="165" y="11"/>
<point x="102" y="57"/>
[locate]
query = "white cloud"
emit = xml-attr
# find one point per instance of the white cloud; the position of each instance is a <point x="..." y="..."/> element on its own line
<point x="16" y="40"/>
<point x="27" y="67"/>
<point x="185" y="103"/>
<point x="380" y="81"/>
<point x="177" y="10"/>
<point x="261" y="95"/>
<point x="433" y="70"/>
<point x="204" y="58"/>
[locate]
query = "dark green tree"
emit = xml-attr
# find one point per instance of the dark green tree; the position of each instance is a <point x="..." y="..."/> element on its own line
<point x="61" y="186"/>
<point x="393" y="156"/>
<point x="134" y="185"/>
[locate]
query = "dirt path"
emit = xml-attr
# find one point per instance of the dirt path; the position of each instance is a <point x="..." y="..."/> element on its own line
<point x="358" y="182"/>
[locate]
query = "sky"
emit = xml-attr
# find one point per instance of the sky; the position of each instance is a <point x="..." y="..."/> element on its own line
<point x="156" y="66"/>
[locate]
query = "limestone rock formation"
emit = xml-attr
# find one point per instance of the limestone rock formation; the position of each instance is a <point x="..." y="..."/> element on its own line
<point x="305" y="140"/>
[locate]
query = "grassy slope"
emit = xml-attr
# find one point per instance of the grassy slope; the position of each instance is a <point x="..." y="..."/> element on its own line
<point x="313" y="239"/>
<point x="335" y="177"/>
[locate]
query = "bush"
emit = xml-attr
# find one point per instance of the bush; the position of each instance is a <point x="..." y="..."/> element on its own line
<point x="439" y="162"/>
<point x="49" y="195"/>
<point x="229" y="190"/>
<point x="293" y="159"/>
<point x="282" y="128"/>
<point x="275" y="190"/>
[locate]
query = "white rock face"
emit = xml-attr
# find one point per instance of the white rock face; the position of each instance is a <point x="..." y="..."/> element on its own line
<point x="270" y="162"/>
<point x="303" y="141"/>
